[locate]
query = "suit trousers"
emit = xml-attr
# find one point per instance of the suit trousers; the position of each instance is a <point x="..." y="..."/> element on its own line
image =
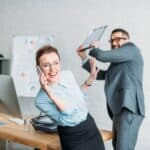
<point x="126" y="127"/>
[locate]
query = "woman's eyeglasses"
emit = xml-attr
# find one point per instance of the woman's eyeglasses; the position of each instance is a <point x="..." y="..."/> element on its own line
<point x="47" y="66"/>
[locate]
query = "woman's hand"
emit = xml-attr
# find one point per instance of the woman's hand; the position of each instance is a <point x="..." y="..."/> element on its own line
<point x="61" y="105"/>
<point x="93" y="75"/>
<point x="43" y="82"/>
<point x="81" y="54"/>
<point x="93" y="72"/>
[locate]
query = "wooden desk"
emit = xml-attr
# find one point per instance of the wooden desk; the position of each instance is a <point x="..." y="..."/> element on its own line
<point x="36" y="139"/>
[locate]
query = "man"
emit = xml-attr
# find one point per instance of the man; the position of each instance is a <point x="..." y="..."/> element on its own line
<point x="123" y="86"/>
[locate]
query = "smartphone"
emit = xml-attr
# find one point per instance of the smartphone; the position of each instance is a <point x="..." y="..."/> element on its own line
<point x="39" y="71"/>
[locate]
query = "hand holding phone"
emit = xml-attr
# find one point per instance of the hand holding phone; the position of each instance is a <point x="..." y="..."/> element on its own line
<point x="39" y="71"/>
<point x="42" y="78"/>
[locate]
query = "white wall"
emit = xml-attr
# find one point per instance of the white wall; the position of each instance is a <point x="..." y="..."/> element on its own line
<point x="69" y="21"/>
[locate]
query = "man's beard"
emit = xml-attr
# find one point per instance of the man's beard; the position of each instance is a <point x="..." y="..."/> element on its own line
<point x="113" y="46"/>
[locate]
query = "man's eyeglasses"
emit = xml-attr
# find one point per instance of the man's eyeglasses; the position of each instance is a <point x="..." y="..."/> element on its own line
<point x="117" y="39"/>
<point x="47" y="66"/>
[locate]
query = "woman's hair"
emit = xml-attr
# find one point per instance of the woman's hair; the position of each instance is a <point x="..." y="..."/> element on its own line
<point x="45" y="50"/>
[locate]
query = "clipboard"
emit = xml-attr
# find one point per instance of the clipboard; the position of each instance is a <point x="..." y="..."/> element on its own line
<point x="95" y="35"/>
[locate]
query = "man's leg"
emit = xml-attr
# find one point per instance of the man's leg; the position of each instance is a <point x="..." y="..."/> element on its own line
<point x="126" y="129"/>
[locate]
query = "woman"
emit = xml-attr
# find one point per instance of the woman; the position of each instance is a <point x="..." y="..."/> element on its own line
<point x="64" y="102"/>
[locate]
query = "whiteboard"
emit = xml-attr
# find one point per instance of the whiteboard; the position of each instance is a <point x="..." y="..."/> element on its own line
<point x="23" y="64"/>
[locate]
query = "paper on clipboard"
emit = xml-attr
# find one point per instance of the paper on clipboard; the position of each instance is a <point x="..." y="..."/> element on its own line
<point x="95" y="35"/>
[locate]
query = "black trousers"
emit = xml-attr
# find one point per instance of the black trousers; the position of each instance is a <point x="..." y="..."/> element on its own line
<point x="84" y="136"/>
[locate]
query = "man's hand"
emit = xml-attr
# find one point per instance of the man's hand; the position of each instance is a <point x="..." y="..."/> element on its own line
<point x="82" y="55"/>
<point x="94" y="44"/>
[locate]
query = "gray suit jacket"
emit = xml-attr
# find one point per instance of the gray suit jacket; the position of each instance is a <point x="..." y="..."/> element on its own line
<point x="123" y="79"/>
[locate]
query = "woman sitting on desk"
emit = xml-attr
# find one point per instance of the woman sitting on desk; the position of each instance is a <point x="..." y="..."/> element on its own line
<point x="64" y="102"/>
